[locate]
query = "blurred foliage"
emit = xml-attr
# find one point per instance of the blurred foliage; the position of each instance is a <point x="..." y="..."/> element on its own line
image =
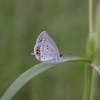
<point x="21" y="21"/>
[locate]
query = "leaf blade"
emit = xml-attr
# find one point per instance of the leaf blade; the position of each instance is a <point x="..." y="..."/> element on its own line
<point x="32" y="72"/>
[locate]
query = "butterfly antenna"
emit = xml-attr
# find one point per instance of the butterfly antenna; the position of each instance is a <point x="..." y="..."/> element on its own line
<point x="66" y="53"/>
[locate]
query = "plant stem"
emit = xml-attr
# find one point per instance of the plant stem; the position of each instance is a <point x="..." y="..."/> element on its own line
<point x="89" y="70"/>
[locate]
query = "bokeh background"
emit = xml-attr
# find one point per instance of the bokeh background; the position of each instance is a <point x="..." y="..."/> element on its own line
<point x="66" y="21"/>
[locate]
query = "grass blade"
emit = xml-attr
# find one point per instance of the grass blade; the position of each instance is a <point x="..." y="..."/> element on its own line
<point x="35" y="70"/>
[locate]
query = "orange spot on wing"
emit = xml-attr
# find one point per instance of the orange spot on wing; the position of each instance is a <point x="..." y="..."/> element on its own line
<point x="38" y="51"/>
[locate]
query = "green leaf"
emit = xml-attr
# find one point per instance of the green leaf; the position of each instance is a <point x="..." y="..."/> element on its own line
<point x="35" y="70"/>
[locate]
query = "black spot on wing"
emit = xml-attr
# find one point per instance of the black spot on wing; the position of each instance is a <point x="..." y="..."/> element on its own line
<point x="45" y="39"/>
<point x="50" y="54"/>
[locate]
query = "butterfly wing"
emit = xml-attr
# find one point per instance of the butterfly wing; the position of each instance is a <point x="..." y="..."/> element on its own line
<point x="48" y="48"/>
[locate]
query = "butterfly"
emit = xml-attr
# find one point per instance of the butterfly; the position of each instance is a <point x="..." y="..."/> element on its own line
<point x="45" y="48"/>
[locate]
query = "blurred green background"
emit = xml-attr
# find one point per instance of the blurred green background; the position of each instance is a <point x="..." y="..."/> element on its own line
<point x="66" y="21"/>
